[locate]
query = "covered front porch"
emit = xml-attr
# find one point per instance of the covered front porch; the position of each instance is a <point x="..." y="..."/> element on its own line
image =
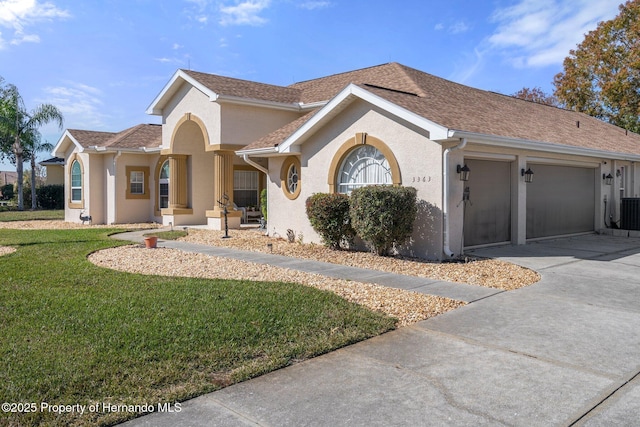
<point x="196" y="181"/>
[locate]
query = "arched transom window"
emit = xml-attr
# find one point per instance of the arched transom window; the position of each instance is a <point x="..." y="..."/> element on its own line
<point x="365" y="165"/>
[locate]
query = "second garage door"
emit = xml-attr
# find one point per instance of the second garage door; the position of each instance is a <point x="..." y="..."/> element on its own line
<point x="560" y="200"/>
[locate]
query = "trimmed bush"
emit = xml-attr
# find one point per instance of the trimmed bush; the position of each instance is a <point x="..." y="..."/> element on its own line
<point x="263" y="203"/>
<point x="329" y="217"/>
<point x="50" y="197"/>
<point x="383" y="216"/>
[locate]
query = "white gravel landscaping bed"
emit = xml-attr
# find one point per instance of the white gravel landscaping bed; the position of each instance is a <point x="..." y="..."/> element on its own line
<point x="408" y="307"/>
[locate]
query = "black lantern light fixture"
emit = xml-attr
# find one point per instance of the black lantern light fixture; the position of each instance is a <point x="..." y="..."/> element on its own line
<point x="464" y="172"/>
<point x="528" y="175"/>
<point x="608" y="179"/>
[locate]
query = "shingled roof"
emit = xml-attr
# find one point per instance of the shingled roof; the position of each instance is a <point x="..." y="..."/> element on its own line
<point x="246" y="89"/>
<point x="462" y="108"/>
<point x="137" y="137"/>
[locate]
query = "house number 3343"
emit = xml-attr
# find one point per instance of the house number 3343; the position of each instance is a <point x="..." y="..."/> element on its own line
<point x="421" y="179"/>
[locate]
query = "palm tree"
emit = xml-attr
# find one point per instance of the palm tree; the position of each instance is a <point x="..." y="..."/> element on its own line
<point x="20" y="127"/>
<point x="35" y="146"/>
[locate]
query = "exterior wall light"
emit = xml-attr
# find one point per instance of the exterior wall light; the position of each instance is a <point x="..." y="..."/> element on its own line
<point x="464" y="172"/>
<point x="528" y="175"/>
<point x="608" y="179"/>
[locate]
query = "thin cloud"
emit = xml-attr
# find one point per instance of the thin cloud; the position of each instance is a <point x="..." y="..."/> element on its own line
<point x="311" y="5"/>
<point x="459" y="27"/>
<point x="80" y="104"/>
<point x="538" y="33"/>
<point x="19" y="15"/>
<point x="455" y="28"/>
<point x="244" y="13"/>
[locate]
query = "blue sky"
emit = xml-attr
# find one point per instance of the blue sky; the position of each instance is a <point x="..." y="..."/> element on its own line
<point x="103" y="62"/>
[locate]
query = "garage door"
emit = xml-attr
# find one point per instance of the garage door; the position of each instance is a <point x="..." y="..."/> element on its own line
<point x="560" y="200"/>
<point x="487" y="216"/>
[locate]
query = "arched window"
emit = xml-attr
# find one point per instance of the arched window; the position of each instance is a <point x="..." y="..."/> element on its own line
<point x="163" y="180"/>
<point x="76" y="182"/>
<point x="365" y="165"/>
<point x="290" y="177"/>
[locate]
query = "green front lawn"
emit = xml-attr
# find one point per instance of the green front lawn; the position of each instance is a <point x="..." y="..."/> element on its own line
<point x="72" y="333"/>
<point x="14" y="215"/>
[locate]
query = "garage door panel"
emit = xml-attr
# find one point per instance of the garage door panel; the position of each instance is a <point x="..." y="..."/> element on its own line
<point x="560" y="200"/>
<point x="487" y="216"/>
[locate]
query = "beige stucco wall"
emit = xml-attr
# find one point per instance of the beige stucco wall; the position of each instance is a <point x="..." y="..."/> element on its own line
<point x="190" y="100"/>
<point x="130" y="210"/>
<point x="55" y="174"/>
<point x="419" y="160"/>
<point x="243" y="124"/>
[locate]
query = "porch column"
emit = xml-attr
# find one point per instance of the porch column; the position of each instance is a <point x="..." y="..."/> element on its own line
<point x="177" y="181"/>
<point x="223" y="184"/>
<point x="223" y="179"/>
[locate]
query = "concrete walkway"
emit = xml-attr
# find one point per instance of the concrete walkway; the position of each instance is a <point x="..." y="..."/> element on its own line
<point x="459" y="291"/>
<point x="564" y="351"/>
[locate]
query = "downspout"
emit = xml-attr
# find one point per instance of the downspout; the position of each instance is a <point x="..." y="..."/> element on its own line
<point x="254" y="164"/>
<point x="115" y="186"/>
<point x="445" y="205"/>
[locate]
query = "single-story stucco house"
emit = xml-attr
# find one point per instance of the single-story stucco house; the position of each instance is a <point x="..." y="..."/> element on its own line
<point x="488" y="168"/>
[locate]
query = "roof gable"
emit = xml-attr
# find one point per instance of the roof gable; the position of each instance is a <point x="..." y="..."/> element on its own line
<point x="143" y="137"/>
<point x="448" y="109"/>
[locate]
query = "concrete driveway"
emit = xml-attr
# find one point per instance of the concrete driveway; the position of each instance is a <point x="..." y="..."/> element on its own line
<point x="564" y="351"/>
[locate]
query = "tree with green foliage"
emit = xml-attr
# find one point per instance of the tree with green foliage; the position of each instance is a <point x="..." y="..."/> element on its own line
<point x="34" y="147"/>
<point x="602" y="76"/>
<point x="536" y="95"/>
<point x="19" y="129"/>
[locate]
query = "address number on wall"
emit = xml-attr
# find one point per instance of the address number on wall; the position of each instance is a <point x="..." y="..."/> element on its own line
<point x="421" y="179"/>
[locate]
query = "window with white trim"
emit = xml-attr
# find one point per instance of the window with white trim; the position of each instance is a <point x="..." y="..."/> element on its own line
<point x="136" y="181"/>
<point x="363" y="166"/>
<point x="292" y="178"/>
<point x="163" y="193"/>
<point x="76" y="182"/>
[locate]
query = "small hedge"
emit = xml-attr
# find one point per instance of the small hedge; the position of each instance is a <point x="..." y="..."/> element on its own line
<point x="329" y="217"/>
<point x="50" y="196"/>
<point x="383" y="216"/>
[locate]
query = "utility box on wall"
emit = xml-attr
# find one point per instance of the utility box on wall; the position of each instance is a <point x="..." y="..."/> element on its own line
<point x="630" y="213"/>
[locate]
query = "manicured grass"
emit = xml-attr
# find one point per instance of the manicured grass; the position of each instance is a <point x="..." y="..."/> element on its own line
<point x="168" y="235"/>
<point x="75" y="334"/>
<point x="26" y="215"/>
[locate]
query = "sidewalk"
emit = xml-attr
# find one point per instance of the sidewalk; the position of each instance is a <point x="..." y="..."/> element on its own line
<point x="457" y="291"/>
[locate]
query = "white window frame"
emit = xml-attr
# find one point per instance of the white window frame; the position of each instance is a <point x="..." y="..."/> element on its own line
<point x="363" y="166"/>
<point x="162" y="181"/>
<point x="76" y="188"/>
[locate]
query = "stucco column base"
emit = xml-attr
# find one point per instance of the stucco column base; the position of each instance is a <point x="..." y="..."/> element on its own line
<point x="215" y="219"/>
<point x="176" y="211"/>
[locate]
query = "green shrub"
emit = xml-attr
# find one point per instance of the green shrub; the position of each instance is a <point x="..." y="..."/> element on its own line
<point x="383" y="216"/>
<point x="263" y="203"/>
<point x="329" y="217"/>
<point x="50" y="197"/>
<point x="7" y="192"/>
